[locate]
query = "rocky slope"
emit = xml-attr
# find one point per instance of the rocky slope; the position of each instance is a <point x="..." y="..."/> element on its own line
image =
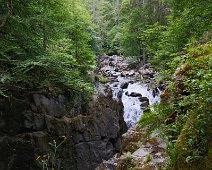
<point x="29" y="121"/>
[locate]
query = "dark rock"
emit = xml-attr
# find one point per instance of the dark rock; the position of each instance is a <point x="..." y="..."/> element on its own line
<point x="29" y="122"/>
<point x="161" y="87"/>
<point x="109" y="92"/>
<point x="143" y="99"/>
<point x="134" y="94"/>
<point x="131" y="82"/>
<point x="146" y="66"/>
<point x="151" y="75"/>
<point x="111" y="64"/>
<point x="119" y="94"/>
<point x="124" y="85"/>
<point x="98" y="150"/>
<point x="144" y="104"/>
<point x="155" y="92"/>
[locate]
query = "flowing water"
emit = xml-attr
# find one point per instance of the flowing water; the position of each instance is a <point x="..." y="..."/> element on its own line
<point x="132" y="105"/>
<point x="119" y="73"/>
<point x="134" y="88"/>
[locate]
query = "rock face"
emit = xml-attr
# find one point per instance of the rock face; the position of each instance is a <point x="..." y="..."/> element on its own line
<point x="29" y="122"/>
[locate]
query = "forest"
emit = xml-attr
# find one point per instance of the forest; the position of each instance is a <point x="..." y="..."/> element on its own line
<point x="54" y="47"/>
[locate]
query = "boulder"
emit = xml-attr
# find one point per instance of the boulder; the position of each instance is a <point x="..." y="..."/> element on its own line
<point x="143" y="99"/>
<point x="144" y="104"/>
<point x="124" y="85"/>
<point x="134" y="94"/>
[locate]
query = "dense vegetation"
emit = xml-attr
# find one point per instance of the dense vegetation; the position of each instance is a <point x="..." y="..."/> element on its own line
<point x="177" y="35"/>
<point x="50" y="46"/>
<point x="182" y="45"/>
<point x="44" y="45"/>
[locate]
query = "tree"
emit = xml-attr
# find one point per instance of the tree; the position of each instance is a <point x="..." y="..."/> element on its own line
<point x="135" y="18"/>
<point x="45" y="45"/>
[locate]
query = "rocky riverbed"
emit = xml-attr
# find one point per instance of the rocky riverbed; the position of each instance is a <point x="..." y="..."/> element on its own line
<point x="135" y="87"/>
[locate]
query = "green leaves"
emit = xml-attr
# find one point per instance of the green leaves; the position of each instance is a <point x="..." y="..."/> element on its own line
<point x="45" y="45"/>
<point x="185" y="115"/>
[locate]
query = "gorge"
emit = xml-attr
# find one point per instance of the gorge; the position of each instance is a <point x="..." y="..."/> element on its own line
<point x="105" y="85"/>
<point x="93" y="134"/>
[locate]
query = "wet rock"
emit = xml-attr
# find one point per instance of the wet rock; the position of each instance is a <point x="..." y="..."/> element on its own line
<point x="119" y="94"/>
<point x="115" y="85"/>
<point x="143" y="99"/>
<point x="155" y="92"/>
<point x="144" y="104"/>
<point x="134" y="94"/>
<point x="124" y="85"/>
<point x="161" y="87"/>
<point x="151" y="75"/>
<point x="116" y="69"/>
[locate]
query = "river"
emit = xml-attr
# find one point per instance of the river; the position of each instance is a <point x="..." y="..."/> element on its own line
<point x="135" y="87"/>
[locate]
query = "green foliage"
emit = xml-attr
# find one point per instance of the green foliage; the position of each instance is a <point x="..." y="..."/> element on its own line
<point x="113" y="40"/>
<point x="104" y="15"/>
<point x="102" y="79"/>
<point x="171" y="33"/>
<point x="148" y="158"/>
<point x="45" y="45"/>
<point x="186" y="22"/>
<point x="184" y="114"/>
<point x="51" y="159"/>
<point x="135" y="18"/>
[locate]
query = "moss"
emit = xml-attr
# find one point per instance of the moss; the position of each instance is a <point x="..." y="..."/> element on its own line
<point x="130" y="143"/>
<point x="126" y="163"/>
<point x="102" y="79"/>
<point x="192" y="154"/>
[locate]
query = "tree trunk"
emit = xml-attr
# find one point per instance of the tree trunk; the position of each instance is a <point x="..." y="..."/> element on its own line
<point x="9" y="13"/>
